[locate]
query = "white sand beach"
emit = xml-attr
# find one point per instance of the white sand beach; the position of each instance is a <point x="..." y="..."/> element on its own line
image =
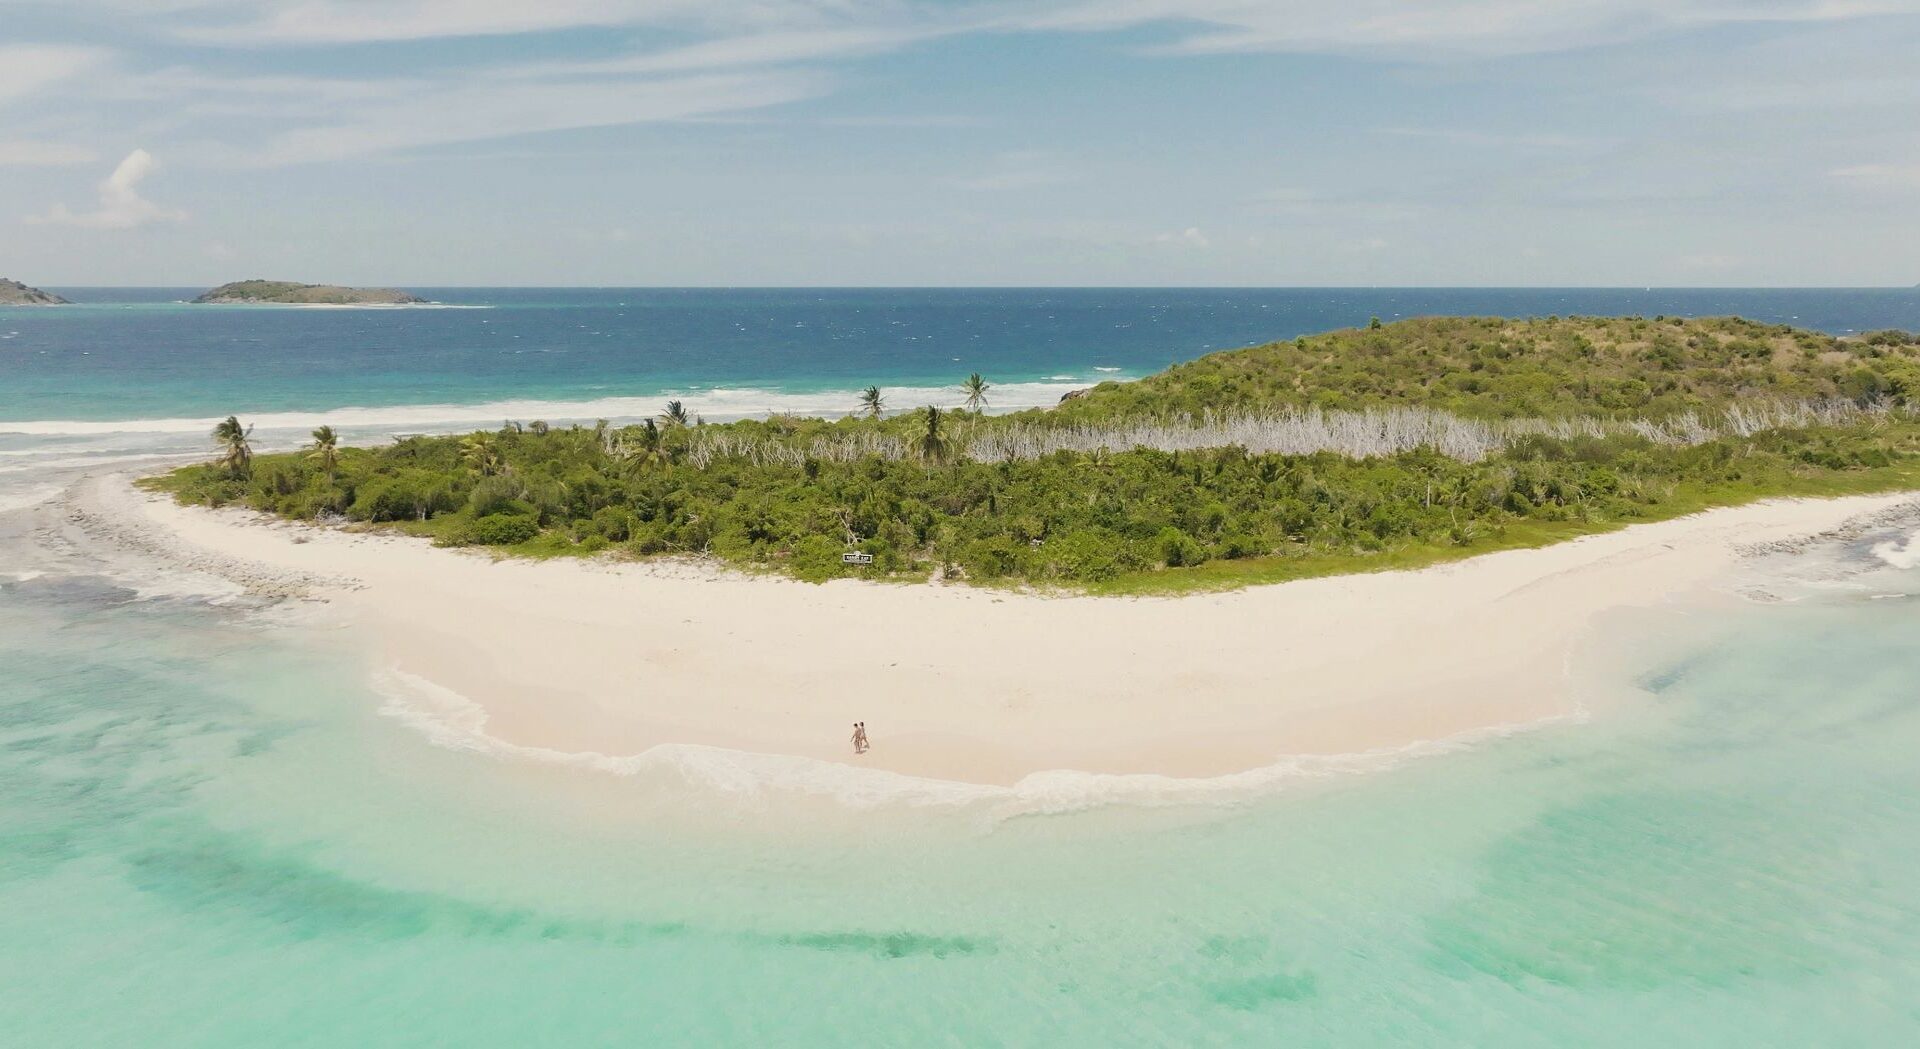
<point x="971" y="684"/>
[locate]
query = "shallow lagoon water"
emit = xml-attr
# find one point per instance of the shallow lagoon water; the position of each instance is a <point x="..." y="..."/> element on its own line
<point x="212" y="836"/>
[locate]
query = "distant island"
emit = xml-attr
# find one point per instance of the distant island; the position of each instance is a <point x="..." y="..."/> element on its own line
<point x="14" y="293"/>
<point x="289" y="293"/>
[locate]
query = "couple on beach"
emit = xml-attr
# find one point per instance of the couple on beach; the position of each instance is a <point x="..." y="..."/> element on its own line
<point x="860" y="743"/>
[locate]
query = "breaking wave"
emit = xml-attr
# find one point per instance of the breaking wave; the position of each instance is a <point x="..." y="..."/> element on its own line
<point x="717" y="405"/>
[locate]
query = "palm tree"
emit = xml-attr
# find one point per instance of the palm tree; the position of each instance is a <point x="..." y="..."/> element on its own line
<point x="976" y="390"/>
<point x="326" y="449"/>
<point x="930" y="444"/>
<point x="675" y="415"/>
<point x="235" y="453"/>
<point x="649" y="449"/>
<point x="872" y="403"/>
<point x="481" y="453"/>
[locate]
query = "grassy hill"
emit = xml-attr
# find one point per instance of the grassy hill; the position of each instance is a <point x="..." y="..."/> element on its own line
<point x="1380" y="447"/>
<point x="1483" y="366"/>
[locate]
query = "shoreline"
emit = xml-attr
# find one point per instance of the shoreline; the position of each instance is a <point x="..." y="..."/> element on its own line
<point x="596" y="659"/>
<point x="717" y="403"/>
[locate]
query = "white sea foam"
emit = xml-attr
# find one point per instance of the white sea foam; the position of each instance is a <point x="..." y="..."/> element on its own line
<point x="451" y="720"/>
<point x="11" y="501"/>
<point x="715" y="404"/>
<point x="162" y="585"/>
<point x="1900" y="553"/>
<point x="349" y="305"/>
<point x="73" y="463"/>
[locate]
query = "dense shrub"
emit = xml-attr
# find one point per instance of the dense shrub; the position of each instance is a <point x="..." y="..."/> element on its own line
<point x="798" y="493"/>
<point x="504" y="529"/>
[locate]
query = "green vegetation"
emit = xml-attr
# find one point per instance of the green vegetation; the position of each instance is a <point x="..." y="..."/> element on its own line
<point x="1618" y="367"/>
<point x="325" y="453"/>
<point x="236" y="448"/>
<point x="1384" y="447"/>
<point x="290" y="293"/>
<point x="975" y="389"/>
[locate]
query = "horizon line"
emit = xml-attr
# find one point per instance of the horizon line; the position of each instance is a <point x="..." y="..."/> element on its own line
<point x="1050" y="287"/>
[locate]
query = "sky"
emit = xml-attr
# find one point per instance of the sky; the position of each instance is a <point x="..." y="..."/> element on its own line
<point x="433" y="143"/>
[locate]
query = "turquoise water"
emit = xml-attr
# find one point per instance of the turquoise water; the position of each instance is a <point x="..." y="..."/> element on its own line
<point x="139" y="354"/>
<point x="212" y="837"/>
<point x="214" y="833"/>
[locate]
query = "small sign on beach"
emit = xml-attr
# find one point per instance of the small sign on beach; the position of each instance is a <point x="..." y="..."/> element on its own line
<point x="856" y="559"/>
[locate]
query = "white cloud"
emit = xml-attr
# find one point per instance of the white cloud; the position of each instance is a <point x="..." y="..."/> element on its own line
<point x="351" y="21"/>
<point x="759" y="49"/>
<point x="1441" y="28"/>
<point x="926" y="120"/>
<point x="1191" y="237"/>
<point x="1000" y="181"/>
<point x="1020" y="169"/>
<point x="306" y="118"/>
<point x="1468" y="137"/>
<point x="121" y="205"/>
<point x="359" y="21"/>
<point x="475" y="110"/>
<point x="1409" y="28"/>
<point x="1709" y="261"/>
<point x="1879" y="176"/>
<point x="1352" y="204"/>
<point x="26" y="153"/>
<point x="616" y="235"/>
<point x="765" y="49"/>
<point x="27" y="68"/>
<point x="759" y="31"/>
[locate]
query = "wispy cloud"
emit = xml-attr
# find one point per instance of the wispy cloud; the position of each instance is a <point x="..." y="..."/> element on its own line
<point x="754" y="54"/>
<point x="1352" y="205"/>
<point x="1434" y="128"/>
<point x="1191" y="237"/>
<point x="1017" y="170"/>
<point x="360" y="21"/>
<point x="1709" y="261"/>
<point x="759" y="49"/>
<point x="1879" y="176"/>
<point x="1434" y="28"/>
<point x="26" y="153"/>
<point x="1001" y="181"/>
<point x="1469" y="137"/>
<point x="929" y="120"/>
<point x="29" y="68"/>
<point x="477" y="109"/>
<point x="1440" y="29"/>
<point x="121" y="205"/>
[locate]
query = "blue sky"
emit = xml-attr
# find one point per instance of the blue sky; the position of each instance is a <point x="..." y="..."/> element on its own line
<point x="794" y="142"/>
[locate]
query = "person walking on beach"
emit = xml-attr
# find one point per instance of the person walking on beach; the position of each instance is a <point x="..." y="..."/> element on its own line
<point x="859" y="737"/>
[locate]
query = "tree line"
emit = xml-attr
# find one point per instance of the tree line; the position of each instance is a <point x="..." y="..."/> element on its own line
<point x="913" y="489"/>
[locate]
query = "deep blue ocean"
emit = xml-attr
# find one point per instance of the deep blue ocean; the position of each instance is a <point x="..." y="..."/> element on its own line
<point x="143" y="354"/>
